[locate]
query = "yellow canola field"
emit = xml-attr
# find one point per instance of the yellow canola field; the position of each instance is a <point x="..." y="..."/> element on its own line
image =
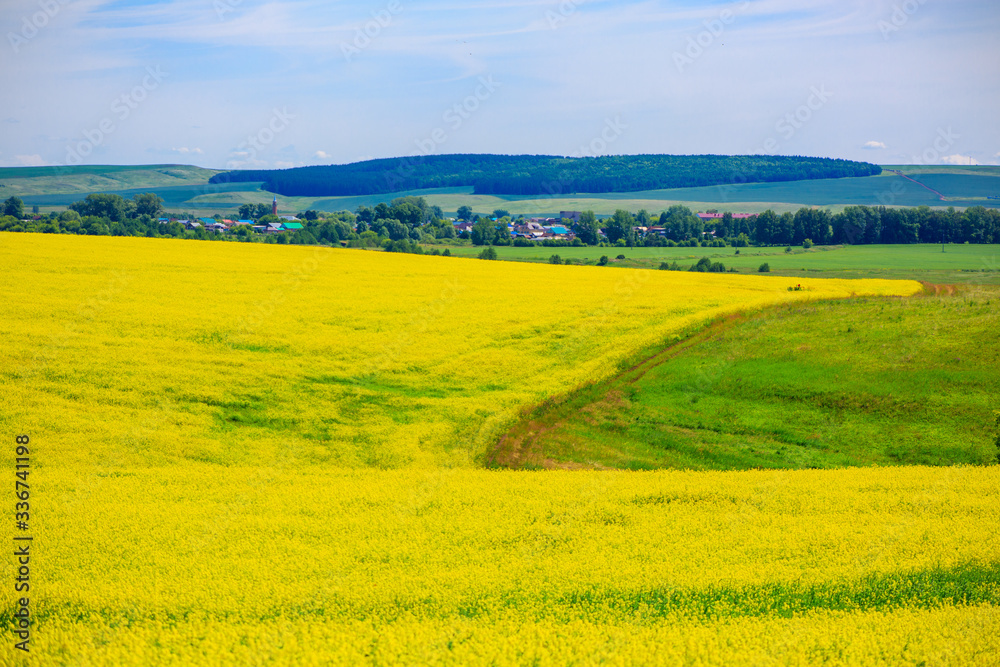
<point x="250" y="454"/>
<point x="152" y="352"/>
<point x="197" y="564"/>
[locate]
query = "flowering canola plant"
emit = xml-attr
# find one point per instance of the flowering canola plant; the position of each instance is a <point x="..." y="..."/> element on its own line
<point x="250" y="565"/>
<point x="253" y="454"/>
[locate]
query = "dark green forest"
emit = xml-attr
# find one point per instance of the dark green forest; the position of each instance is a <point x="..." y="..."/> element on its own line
<point x="544" y="174"/>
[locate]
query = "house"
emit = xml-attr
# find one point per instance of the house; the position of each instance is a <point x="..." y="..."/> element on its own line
<point x="291" y="226"/>
<point x="244" y="222"/>
<point x="206" y="221"/>
<point x="570" y="215"/>
<point x="191" y="224"/>
<point x="290" y="218"/>
<point x="273" y="227"/>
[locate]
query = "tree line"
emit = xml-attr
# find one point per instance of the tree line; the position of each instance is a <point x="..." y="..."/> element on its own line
<point x="400" y="226"/>
<point x="544" y="174"/>
<point x="407" y="222"/>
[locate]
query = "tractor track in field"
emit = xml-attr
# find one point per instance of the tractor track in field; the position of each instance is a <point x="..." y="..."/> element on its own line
<point x="523" y="444"/>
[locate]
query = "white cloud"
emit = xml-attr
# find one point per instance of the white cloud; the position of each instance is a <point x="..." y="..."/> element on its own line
<point x="281" y="164"/>
<point x="959" y="159"/>
<point x="322" y="155"/>
<point x="185" y="151"/>
<point x="31" y="160"/>
<point x="874" y="145"/>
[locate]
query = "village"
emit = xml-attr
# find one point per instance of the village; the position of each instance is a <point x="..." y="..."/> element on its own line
<point x="531" y="229"/>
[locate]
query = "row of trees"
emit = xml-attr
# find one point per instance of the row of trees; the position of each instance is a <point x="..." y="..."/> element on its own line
<point x="117" y="209"/>
<point x="544" y="174"/>
<point x="398" y="227"/>
<point x="413" y="221"/>
<point x="855" y="225"/>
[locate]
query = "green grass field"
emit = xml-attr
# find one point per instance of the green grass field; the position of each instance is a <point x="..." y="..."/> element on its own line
<point x="957" y="264"/>
<point x="186" y="188"/>
<point x="827" y="384"/>
<point x="961" y="187"/>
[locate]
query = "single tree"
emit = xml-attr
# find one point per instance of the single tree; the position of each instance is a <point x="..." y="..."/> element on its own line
<point x="14" y="207"/>
<point x="484" y="232"/>
<point x="148" y="203"/>
<point x="587" y="230"/>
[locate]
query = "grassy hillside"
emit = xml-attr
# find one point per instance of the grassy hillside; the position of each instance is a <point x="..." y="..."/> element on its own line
<point x="854" y="382"/>
<point x="31" y="182"/>
<point x="187" y="188"/>
<point x="961" y="190"/>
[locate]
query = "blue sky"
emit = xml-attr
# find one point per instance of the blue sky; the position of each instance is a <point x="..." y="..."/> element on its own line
<point x="254" y="83"/>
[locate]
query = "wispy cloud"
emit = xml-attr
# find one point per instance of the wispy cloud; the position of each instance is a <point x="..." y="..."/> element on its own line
<point x="874" y="145"/>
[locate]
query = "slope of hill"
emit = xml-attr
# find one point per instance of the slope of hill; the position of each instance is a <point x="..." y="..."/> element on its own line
<point x="831" y="384"/>
<point x="187" y="188"/>
<point x="83" y="180"/>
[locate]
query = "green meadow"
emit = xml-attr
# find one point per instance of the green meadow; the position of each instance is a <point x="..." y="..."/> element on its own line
<point x="856" y="382"/>
<point x="956" y="264"/>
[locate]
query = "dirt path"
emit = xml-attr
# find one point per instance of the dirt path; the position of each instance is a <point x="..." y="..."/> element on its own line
<point x="524" y="445"/>
<point x="899" y="173"/>
<point x="930" y="289"/>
